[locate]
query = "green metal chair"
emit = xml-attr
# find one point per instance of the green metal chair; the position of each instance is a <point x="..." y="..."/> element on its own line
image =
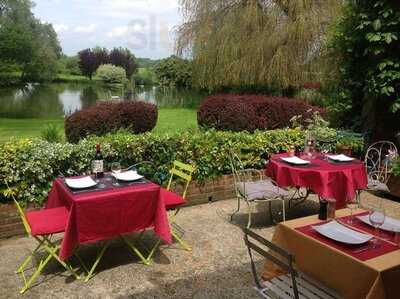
<point x="42" y="225"/>
<point x="182" y="172"/>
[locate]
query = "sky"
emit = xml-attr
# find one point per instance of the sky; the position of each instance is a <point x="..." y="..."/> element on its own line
<point x="146" y="27"/>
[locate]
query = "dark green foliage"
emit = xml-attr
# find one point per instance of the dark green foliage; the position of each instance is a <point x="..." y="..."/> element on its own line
<point x="174" y="72"/>
<point x="26" y="42"/>
<point x="30" y="166"/>
<point x="68" y="65"/>
<point x="365" y="52"/>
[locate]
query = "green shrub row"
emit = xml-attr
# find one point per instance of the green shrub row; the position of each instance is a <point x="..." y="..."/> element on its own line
<point x="30" y="166"/>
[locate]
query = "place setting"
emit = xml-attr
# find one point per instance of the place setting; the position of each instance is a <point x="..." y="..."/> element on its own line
<point x="102" y="181"/>
<point x="364" y="235"/>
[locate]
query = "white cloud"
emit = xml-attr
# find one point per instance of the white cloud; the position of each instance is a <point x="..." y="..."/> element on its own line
<point x="119" y="31"/>
<point x="59" y="28"/>
<point x="85" y="29"/>
<point x="123" y="31"/>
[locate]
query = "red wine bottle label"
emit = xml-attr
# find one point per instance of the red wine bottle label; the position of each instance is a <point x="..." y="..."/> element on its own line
<point x="98" y="165"/>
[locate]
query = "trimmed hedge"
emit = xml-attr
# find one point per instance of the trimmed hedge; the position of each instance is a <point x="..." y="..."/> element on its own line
<point x="105" y="117"/>
<point x="30" y="166"/>
<point x="231" y="112"/>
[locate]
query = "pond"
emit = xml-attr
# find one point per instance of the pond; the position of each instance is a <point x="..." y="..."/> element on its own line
<point x="60" y="99"/>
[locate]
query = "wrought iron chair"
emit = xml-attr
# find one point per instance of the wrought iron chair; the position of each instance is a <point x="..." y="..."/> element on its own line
<point x="287" y="283"/>
<point x="254" y="191"/>
<point x="379" y="162"/>
<point x="42" y="225"/>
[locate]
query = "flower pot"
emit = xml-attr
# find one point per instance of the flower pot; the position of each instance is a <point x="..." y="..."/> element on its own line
<point x="344" y="149"/>
<point x="394" y="185"/>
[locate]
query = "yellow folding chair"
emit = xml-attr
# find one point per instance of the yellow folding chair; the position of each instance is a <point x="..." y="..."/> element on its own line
<point x="42" y="225"/>
<point x="182" y="172"/>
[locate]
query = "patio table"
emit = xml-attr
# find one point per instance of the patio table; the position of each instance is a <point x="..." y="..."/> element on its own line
<point x="353" y="273"/>
<point x="327" y="179"/>
<point x="103" y="214"/>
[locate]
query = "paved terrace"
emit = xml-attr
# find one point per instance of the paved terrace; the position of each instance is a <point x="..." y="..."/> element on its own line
<point x="218" y="267"/>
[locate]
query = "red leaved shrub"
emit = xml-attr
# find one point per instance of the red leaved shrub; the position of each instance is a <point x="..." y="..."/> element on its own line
<point x="106" y="117"/>
<point x="251" y="112"/>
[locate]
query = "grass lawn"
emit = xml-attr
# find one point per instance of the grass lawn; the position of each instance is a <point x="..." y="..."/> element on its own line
<point x="169" y="121"/>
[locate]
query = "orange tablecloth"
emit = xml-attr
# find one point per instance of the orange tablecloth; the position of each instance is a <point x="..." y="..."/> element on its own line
<point x="374" y="278"/>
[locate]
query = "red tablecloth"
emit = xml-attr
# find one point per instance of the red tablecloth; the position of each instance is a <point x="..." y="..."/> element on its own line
<point x="101" y="215"/>
<point x="327" y="179"/>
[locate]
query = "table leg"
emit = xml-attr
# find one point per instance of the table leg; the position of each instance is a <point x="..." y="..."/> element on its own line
<point x="99" y="256"/>
<point x="302" y="198"/>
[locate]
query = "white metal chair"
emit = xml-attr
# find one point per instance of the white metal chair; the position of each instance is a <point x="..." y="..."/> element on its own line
<point x="379" y="162"/>
<point x="290" y="284"/>
<point x="251" y="187"/>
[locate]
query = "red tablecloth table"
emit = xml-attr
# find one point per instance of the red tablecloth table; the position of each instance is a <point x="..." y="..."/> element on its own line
<point x="101" y="215"/>
<point x="327" y="179"/>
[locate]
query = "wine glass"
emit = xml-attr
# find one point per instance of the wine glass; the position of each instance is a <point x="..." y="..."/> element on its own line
<point x="116" y="168"/>
<point x="351" y="204"/>
<point x="377" y="218"/>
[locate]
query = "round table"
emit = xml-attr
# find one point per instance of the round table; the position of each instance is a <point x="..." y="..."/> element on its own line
<point x="338" y="180"/>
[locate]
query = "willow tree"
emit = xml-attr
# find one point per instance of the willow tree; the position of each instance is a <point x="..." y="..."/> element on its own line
<point x="271" y="43"/>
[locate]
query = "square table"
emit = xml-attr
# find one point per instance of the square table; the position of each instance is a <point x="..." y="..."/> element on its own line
<point x="338" y="180"/>
<point x="104" y="214"/>
<point x="351" y="276"/>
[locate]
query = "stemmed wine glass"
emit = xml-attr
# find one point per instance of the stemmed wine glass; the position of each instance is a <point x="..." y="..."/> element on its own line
<point x="377" y="218"/>
<point x="352" y="204"/>
<point x="116" y="168"/>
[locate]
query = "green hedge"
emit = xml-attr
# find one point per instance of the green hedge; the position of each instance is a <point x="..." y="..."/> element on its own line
<point x="30" y="166"/>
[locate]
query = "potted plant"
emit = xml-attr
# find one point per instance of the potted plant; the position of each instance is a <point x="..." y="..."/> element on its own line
<point x="349" y="144"/>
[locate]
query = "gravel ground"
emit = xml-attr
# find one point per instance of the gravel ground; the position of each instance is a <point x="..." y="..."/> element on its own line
<point x="218" y="266"/>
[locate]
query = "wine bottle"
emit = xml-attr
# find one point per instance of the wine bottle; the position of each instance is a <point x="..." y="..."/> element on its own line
<point x="99" y="162"/>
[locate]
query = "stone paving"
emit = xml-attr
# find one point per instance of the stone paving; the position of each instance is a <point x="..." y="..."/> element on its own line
<point x="218" y="266"/>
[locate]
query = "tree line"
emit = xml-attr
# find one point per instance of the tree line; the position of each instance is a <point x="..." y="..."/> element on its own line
<point x="91" y="59"/>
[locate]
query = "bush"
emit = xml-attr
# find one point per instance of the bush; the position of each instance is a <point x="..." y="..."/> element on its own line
<point x="231" y="112"/>
<point x="106" y="117"/>
<point x="31" y="166"/>
<point x="174" y="72"/>
<point x="52" y="133"/>
<point x="111" y="74"/>
<point x="144" y="76"/>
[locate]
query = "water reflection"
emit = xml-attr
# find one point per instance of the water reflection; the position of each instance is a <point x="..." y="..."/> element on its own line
<point x="57" y="100"/>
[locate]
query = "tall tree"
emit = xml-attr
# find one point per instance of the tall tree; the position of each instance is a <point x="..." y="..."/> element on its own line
<point x="125" y="59"/>
<point x="365" y="66"/>
<point x="253" y="42"/>
<point x="27" y="42"/>
<point x="88" y="62"/>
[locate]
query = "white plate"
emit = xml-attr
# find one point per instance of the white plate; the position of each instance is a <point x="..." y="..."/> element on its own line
<point x="335" y="231"/>
<point x="127" y="176"/>
<point x="295" y="160"/>
<point x="340" y="158"/>
<point x="80" y="183"/>
<point x="390" y="224"/>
